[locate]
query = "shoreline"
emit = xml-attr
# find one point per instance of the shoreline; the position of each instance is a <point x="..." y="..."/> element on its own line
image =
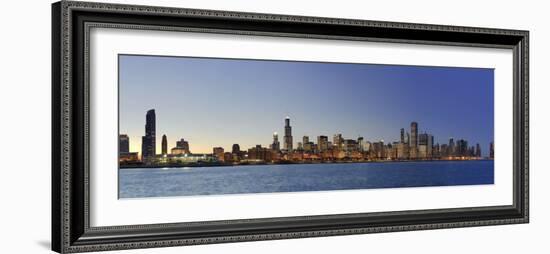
<point x="206" y="165"/>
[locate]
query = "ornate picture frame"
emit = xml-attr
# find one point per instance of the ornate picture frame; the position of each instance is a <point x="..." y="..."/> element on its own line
<point x="71" y="24"/>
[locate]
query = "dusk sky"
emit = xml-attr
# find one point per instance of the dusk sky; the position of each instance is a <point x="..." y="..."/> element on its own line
<point x="218" y="102"/>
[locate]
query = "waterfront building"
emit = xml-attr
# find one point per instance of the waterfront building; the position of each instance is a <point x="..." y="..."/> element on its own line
<point x="305" y="139"/>
<point x="183" y="145"/>
<point x="426" y="142"/>
<point x="288" y="135"/>
<point x="227" y="157"/>
<point x="402" y="135"/>
<point x="275" y="146"/>
<point x="378" y="150"/>
<point x="191" y="158"/>
<point x="236" y="152"/>
<point x="360" y="144"/>
<point x="235" y="149"/>
<point x="350" y="145"/>
<point x="178" y="151"/>
<point x="367" y="146"/>
<point x="219" y="153"/>
<point x="300" y="146"/>
<point x="338" y="141"/>
<point x="128" y="158"/>
<point x="491" y="150"/>
<point x="402" y="151"/>
<point x="259" y="153"/>
<point x="164" y="145"/>
<point x="322" y="143"/>
<point x="422" y="151"/>
<point x="309" y="147"/>
<point x="123" y="143"/>
<point x="148" y="142"/>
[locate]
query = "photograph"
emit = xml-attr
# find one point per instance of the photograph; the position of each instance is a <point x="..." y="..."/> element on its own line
<point x="193" y="126"/>
<point x="239" y="125"/>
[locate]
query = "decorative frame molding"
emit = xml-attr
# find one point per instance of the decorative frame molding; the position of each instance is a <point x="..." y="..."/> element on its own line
<point x="71" y="22"/>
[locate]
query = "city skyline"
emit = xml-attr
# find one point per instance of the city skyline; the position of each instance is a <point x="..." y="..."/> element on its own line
<point x="304" y="91"/>
<point x="412" y="138"/>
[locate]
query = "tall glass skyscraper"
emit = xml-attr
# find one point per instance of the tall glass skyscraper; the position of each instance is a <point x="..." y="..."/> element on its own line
<point x="148" y="142"/>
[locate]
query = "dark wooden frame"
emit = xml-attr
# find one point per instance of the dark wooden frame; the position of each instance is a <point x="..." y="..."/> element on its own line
<point x="71" y="22"/>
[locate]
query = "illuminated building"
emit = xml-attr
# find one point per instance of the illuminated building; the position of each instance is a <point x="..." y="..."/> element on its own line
<point x="478" y="150"/>
<point x="288" y="135"/>
<point x="148" y="142"/>
<point x="402" y="151"/>
<point x="300" y="146"/>
<point x="191" y="158"/>
<point x="322" y="143"/>
<point x="361" y="144"/>
<point x="350" y="145"/>
<point x="236" y="152"/>
<point x="218" y="152"/>
<point x="178" y="151"/>
<point x="275" y="146"/>
<point x="259" y="153"/>
<point x="128" y="158"/>
<point x="338" y="141"/>
<point x="183" y="146"/>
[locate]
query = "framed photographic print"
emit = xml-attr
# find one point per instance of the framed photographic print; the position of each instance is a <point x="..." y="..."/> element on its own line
<point x="181" y="126"/>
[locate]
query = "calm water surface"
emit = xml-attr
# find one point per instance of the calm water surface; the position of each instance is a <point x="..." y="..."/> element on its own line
<point x="157" y="182"/>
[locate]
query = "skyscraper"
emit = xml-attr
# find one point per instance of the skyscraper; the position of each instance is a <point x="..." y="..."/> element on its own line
<point x="402" y="135"/>
<point x="288" y="135"/>
<point x="413" y="141"/>
<point x="275" y="146"/>
<point x="164" y="145"/>
<point x="361" y="143"/>
<point x="123" y="143"/>
<point x="338" y="140"/>
<point x="414" y="134"/>
<point x="148" y="142"/>
<point x="305" y="139"/>
<point x="491" y="150"/>
<point x="236" y="149"/>
<point x="451" y="149"/>
<point x="478" y="150"/>
<point x="322" y="142"/>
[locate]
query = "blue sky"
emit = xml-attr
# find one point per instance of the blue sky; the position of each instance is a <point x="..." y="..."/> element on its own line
<point x="218" y="102"/>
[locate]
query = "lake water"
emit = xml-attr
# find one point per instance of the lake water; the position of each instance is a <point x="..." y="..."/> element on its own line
<point x="157" y="182"/>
